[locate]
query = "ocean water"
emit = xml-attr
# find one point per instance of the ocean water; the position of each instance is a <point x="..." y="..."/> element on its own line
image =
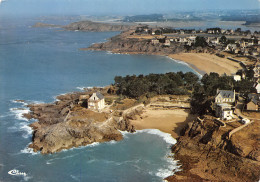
<point x="37" y="64"/>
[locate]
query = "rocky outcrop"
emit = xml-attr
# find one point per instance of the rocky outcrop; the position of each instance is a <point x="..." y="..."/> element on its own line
<point x="126" y="43"/>
<point x="123" y="44"/>
<point x="97" y="27"/>
<point x="206" y="153"/>
<point x="65" y="124"/>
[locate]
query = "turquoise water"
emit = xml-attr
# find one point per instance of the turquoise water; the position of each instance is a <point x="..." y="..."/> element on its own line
<point x="37" y="64"/>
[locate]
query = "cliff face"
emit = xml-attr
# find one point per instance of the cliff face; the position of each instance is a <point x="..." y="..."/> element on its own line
<point x="206" y="153"/>
<point x="64" y="124"/>
<point x="97" y="27"/>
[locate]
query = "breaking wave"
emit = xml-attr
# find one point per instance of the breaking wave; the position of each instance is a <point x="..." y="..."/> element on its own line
<point x="28" y="150"/>
<point x="166" y="136"/>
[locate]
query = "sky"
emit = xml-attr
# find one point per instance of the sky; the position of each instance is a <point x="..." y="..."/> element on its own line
<point x="116" y="7"/>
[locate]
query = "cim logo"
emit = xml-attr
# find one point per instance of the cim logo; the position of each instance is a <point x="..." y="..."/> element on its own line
<point x="15" y="172"/>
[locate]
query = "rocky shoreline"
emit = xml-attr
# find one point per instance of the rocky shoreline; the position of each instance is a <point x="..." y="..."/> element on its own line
<point x="207" y="154"/>
<point x="203" y="148"/>
<point x="65" y="124"/>
<point x="125" y="45"/>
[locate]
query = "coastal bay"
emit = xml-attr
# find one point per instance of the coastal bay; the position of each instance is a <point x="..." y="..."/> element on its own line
<point x="205" y="62"/>
<point x="48" y="63"/>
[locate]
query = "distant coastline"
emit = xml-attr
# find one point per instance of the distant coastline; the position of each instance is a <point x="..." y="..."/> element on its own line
<point x="201" y="62"/>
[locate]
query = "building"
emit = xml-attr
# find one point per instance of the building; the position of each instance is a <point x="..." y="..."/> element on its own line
<point x="231" y="48"/>
<point x="225" y="96"/>
<point x="257" y="87"/>
<point x="155" y="41"/>
<point x="224" y="111"/>
<point x="237" y="77"/>
<point x="167" y="42"/>
<point x="253" y="102"/>
<point x="96" y="101"/>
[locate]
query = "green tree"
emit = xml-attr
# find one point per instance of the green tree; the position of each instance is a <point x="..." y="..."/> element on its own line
<point x="137" y="88"/>
<point x="191" y="79"/>
<point x="200" y="42"/>
<point x="223" y="39"/>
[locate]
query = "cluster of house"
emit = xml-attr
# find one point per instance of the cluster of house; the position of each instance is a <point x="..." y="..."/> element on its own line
<point x="189" y="40"/>
<point x="245" y="47"/>
<point x="224" y="103"/>
<point x="94" y="102"/>
<point x="249" y="45"/>
<point x="145" y="29"/>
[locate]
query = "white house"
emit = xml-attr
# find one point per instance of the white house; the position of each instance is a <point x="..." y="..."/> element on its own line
<point x="237" y="77"/>
<point x="96" y="101"/>
<point x="224" y="111"/>
<point x="257" y="87"/>
<point x="225" y="96"/>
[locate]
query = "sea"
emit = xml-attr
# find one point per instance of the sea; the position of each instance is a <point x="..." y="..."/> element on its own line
<point x="36" y="65"/>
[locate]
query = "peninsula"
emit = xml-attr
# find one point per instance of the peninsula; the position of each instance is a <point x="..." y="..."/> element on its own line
<point x="89" y="26"/>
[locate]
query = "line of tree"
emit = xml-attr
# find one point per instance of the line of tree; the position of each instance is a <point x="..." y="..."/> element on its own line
<point x="156" y="84"/>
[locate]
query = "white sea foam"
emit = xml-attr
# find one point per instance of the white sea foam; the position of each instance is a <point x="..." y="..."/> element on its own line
<point x="93" y="144"/>
<point x="170" y="168"/>
<point x="186" y="64"/>
<point x="17" y="101"/>
<point x="27" y="129"/>
<point x="84" y="88"/>
<point x="112" y="142"/>
<point x="48" y="163"/>
<point x="28" y="150"/>
<point x="81" y="88"/>
<point x="25" y="103"/>
<point x="166" y="136"/>
<point x="19" y="112"/>
<point x="179" y="61"/>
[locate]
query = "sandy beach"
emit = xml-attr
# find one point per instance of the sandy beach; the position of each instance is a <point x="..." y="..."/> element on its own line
<point x="169" y="121"/>
<point x="206" y="63"/>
